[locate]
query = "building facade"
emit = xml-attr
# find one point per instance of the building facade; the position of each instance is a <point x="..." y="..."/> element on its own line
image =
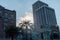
<point x="7" y="19"/>
<point x="44" y="20"/>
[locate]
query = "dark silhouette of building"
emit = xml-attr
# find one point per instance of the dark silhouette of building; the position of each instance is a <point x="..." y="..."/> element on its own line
<point x="7" y="19"/>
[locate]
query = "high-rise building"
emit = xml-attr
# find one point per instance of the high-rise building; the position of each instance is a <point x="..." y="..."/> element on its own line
<point x="7" y="19"/>
<point x="43" y="14"/>
<point x="45" y="21"/>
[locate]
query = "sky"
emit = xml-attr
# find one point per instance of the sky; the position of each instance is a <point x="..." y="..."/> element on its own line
<point x="25" y="6"/>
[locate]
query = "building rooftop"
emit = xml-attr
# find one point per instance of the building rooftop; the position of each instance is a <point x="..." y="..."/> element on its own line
<point x="39" y="2"/>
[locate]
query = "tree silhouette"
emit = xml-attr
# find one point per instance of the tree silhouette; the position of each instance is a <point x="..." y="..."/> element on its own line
<point x="25" y="24"/>
<point x="11" y="32"/>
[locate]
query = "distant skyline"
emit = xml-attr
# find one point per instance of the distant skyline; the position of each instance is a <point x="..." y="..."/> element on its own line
<point x="23" y="6"/>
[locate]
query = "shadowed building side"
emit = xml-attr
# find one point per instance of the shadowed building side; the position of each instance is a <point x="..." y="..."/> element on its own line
<point x="7" y="19"/>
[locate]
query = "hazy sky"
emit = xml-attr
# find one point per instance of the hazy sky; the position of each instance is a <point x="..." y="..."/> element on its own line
<point x="22" y="6"/>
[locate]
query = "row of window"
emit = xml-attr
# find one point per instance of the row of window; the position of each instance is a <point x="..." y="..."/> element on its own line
<point x="9" y="16"/>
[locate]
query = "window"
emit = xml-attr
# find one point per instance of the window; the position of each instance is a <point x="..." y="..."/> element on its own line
<point x="42" y="37"/>
<point x="5" y="24"/>
<point x="0" y="17"/>
<point x="6" y="15"/>
<point x="11" y="17"/>
<point x="0" y="13"/>
<point x="5" y="20"/>
<point x="42" y="26"/>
